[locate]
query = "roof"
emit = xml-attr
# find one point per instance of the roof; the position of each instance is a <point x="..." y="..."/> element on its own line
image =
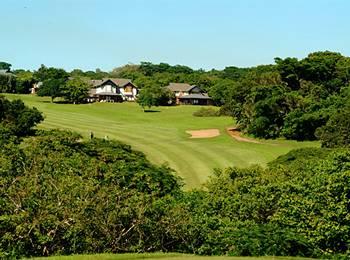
<point x="180" y="87"/>
<point x="195" y="96"/>
<point x="97" y="82"/>
<point x="120" y="82"/>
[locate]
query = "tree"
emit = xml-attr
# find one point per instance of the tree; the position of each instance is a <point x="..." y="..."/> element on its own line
<point x="148" y="97"/>
<point x="5" y="66"/>
<point x="289" y="71"/>
<point x="17" y="118"/>
<point x="336" y="133"/>
<point x="53" y="80"/>
<point x="24" y="81"/>
<point x="220" y="91"/>
<point x="52" y="88"/>
<point x="7" y="83"/>
<point x="321" y="67"/>
<point x="155" y="96"/>
<point x="76" y="90"/>
<point x="44" y="73"/>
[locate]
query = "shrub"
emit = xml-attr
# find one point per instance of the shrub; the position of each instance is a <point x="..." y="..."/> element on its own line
<point x="61" y="195"/>
<point x="206" y="112"/>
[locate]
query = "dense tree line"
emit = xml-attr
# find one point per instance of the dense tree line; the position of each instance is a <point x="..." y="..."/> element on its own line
<point x="293" y="99"/>
<point x="60" y="194"/>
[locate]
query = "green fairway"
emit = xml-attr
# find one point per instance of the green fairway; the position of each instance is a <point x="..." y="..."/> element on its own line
<point x="161" y="135"/>
<point x="159" y="256"/>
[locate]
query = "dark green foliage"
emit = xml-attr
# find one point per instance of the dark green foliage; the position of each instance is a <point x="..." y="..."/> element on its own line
<point x="16" y="118"/>
<point x="45" y="73"/>
<point x="24" y="81"/>
<point x="148" y="69"/>
<point x="299" y="125"/>
<point x="206" y="112"/>
<point x="153" y="95"/>
<point x="298" y="206"/>
<point x="5" y="66"/>
<point x="7" y="83"/>
<point x="336" y="133"/>
<point x="293" y="105"/>
<point x="60" y="195"/>
<point x="52" y="88"/>
<point x="75" y="90"/>
<point x="265" y="109"/>
<point x="53" y="81"/>
<point x="300" y="157"/>
<point x="289" y="70"/>
<point x="220" y="91"/>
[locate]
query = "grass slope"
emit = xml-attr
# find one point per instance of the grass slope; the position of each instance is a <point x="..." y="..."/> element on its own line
<point x="158" y="256"/>
<point x="161" y="135"/>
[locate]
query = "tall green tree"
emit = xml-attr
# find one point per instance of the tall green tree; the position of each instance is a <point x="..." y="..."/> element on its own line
<point x="24" y="81"/>
<point x="154" y="95"/>
<point x="5" y="66"/>
<point x="52" y="88"/>
<point x="76" y="90"/>
<point x="53" y="81"/>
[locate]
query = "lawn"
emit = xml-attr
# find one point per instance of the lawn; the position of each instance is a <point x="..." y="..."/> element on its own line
<point x="159" y="256"/>
<point x="162" y="136"/>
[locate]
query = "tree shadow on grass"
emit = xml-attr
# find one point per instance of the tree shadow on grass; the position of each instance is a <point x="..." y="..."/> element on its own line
<point x="151" y="111"/>
<point x="60" y="102"/>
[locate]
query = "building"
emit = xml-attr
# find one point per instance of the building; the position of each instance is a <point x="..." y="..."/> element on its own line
<point x="112" y="90"/>
<point x="36" y="87"/>
<point x="187" y="94"/>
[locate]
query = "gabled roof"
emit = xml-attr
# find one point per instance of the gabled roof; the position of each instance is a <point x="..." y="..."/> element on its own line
<point x="97" y="82"/>
<point x="120" y="82"/>
<point x="180" y="87"/>
<point x="195" y="96"/>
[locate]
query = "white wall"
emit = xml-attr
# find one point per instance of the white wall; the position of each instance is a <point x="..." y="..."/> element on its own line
<point x="106" y="88"/>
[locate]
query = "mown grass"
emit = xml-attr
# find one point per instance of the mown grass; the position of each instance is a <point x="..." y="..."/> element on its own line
<point x="159" y="256"/>
<point x="161" y="135"/>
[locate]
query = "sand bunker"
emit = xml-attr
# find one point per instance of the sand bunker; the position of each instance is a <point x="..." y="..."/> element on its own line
<point x="207" y="133"/>
<point x="236" y="134"/>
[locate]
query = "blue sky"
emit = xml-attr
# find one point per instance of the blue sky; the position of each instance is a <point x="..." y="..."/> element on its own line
<point x="207" y="34"/>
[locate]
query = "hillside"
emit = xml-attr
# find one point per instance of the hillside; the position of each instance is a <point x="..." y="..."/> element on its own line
<point x="162" y="135"/>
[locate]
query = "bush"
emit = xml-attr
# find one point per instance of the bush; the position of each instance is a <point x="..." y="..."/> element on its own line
<point x="206" y="112"/>
<point x="61" y="195"/>
<point x="17" y="118"/>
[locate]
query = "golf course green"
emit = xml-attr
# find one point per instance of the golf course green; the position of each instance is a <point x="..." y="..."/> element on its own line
<point x="161" y="135"/>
